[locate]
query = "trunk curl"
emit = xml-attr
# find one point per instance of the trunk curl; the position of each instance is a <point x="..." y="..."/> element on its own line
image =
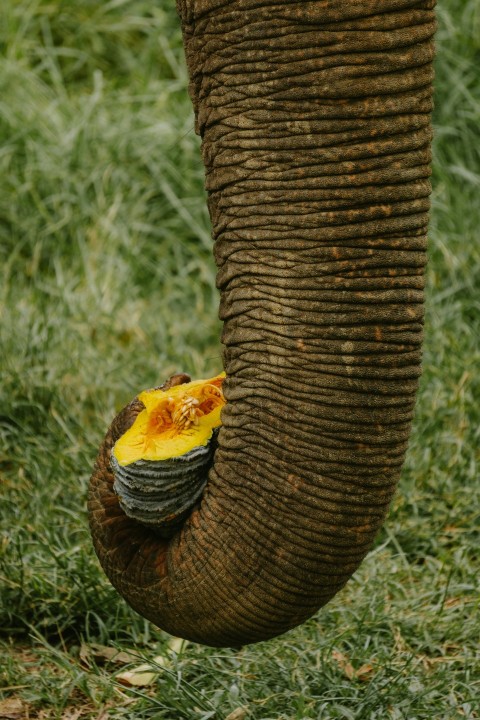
<point x="315" y="119"/>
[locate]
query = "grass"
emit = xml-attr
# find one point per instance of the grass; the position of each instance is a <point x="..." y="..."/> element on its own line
<point x="107" y="286"/>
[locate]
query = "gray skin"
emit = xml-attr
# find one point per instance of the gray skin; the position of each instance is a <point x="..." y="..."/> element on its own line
<point x="315" y="121"/>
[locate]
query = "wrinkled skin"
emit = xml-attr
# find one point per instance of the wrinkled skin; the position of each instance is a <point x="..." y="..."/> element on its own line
<point x="315" y="120"/>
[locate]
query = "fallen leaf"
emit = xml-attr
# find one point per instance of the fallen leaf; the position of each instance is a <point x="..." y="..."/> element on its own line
<point x="142" y="675"/>
<point x="176" y="645"/>
<point x="12" y="709"/>
<point x="344" y="664"/>
<point x="453" y="602"/>
<point x="364" y="672"/>
<point x="104" y="653"/>
<point x="452" y="529"/>
<point x="239" y="714"/>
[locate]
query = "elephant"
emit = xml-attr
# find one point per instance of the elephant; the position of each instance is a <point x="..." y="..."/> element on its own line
<point x="315" y="119"/>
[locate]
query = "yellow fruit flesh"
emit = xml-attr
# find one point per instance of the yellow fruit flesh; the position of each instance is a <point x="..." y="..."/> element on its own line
<point x="173" y="422"/>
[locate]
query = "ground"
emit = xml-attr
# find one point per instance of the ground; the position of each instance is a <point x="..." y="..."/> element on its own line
<point x="107" y="286"/>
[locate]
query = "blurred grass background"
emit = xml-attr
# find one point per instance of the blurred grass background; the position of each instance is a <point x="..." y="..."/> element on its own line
<point x="107" y="285"/>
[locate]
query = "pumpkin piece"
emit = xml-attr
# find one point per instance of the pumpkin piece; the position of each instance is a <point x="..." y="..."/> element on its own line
<point x="160" y="465"/>
<point x="173" y="422"/>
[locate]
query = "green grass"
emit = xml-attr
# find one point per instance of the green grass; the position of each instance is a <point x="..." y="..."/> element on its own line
<point x="107" y="286"/>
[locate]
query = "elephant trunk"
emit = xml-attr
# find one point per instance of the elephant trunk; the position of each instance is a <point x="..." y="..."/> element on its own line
<point x="315" y="119"/>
